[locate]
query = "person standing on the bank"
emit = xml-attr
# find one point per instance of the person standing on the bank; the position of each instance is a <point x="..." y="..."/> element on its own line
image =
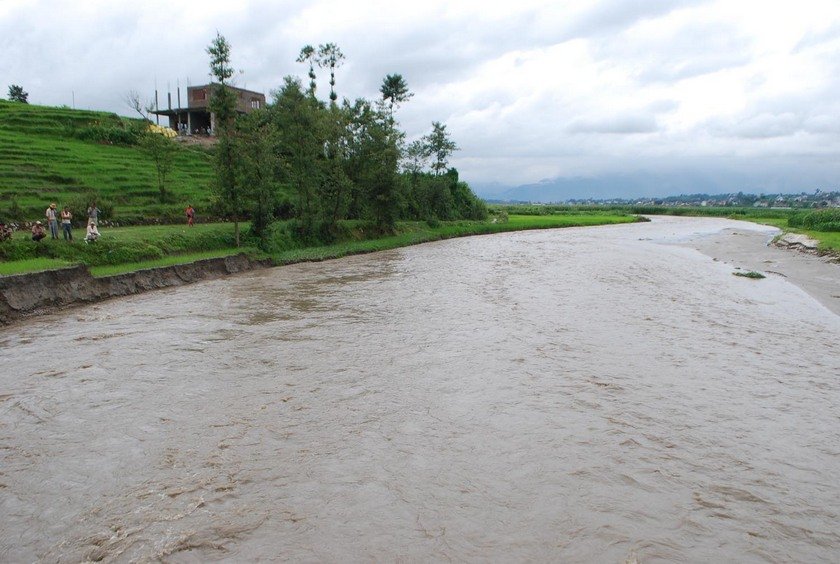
<point x="93" y="213"/>
<point x="190" y="211"/>
<point x="66" y="223"/>
<point x="52" y="220"/>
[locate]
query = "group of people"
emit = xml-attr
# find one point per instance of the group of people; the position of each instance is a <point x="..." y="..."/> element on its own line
<point x="65" y="216"/>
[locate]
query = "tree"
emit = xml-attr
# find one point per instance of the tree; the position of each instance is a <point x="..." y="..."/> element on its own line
<point x="416" y="157"/>
<point x="257" y="168"/>
<point x="440" y="147"/>
<point x="335" y="188"/>
<point x="373" y="158"/>
<point x="330" y="56"/>
<point x="309" y="55"/>
<point x="132" y="100"/>
<point x="294" y="115"/>
<point x="17" y="94"/>
<point x="223" y="107"/>
<point x="395" y="90"/>
<point x="162" y="152"/>
<point x="219" y="51"/>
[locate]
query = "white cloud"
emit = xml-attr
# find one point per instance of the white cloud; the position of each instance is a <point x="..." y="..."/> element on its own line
<point x="531" y="89"/>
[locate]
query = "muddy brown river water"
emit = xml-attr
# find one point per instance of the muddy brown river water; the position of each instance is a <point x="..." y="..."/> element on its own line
<point x="601" y="394"/>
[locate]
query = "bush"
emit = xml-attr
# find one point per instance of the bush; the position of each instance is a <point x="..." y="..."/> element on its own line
<point x="116" y="133"/>
<point x="278" y="238"/>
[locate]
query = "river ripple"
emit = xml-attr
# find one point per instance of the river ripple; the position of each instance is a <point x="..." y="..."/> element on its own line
<point x="592" y="394"/>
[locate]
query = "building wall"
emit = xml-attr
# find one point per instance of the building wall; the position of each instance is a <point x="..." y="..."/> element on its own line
<point x="246" y="101"/>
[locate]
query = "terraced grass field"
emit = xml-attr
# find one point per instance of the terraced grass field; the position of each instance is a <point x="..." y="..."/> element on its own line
<point x="43" y="160"/>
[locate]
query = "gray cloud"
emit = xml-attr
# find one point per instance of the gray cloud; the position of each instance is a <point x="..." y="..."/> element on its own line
<point x="535" y="91"/>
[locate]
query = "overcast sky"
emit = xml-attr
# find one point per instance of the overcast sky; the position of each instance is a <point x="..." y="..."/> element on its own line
<point x="529" y="89"/>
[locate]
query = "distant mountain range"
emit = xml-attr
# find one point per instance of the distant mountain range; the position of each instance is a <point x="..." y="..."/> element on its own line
<point x="651" y="185"/>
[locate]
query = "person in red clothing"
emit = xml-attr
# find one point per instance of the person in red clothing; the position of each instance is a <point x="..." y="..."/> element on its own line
<point x="190" y="211"/>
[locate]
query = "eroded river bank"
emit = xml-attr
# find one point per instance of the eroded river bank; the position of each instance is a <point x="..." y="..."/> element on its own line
<point x="594" y="394"/>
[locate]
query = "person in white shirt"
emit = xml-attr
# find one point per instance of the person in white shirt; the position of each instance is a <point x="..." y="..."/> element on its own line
<point x="92" y="232"/>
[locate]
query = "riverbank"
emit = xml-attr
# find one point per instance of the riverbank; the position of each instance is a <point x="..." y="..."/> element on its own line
<point x="29" y="294"/>
<point x="37" y="293"/>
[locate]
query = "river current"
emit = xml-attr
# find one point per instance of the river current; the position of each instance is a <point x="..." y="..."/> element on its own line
<point x="598" y="394"/>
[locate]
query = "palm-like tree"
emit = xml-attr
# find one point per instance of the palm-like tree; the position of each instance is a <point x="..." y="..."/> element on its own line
<point x="394" y="90"/>
<point x="309" y="55"/>
<point x="330" y="56"/>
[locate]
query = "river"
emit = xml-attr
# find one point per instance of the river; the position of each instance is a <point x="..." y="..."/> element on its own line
<point x="602" y="394"/>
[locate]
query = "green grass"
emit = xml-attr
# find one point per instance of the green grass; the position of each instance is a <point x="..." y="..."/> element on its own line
<point x="31" y="265"/>
<point x="751" y="274"/>
<point x="127" y="249"/>
<point x="123" y="245"/>
<point x="41" y="162"/>
<point x="413" y="233"/>
<point x="111" y="270"/>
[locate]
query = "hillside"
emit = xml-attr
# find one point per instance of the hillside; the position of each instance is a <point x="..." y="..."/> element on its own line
<point x="58" y="155"/>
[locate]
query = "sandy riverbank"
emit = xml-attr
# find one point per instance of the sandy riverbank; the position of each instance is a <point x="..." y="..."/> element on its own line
<point x="747" y="247"/>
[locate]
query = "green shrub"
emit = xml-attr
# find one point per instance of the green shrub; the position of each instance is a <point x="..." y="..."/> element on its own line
<point x="116" y="133"/>
<point x="751" y="274"/>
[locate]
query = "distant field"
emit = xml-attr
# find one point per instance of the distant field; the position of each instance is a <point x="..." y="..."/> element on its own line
<point x="41" y="162"/>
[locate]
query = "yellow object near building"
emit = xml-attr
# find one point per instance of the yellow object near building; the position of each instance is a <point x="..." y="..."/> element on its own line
<point x="165" y="131"/>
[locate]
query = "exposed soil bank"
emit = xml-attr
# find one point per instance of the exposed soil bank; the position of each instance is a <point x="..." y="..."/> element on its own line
<point x="40" y="292"/>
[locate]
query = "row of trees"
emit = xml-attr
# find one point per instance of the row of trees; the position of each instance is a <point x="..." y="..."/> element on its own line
<point x="320" y="163"/>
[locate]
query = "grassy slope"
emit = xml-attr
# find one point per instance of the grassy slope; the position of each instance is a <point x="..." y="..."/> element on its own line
<point x="40" y="162"/>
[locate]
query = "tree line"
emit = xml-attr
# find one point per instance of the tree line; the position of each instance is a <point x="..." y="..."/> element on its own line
<point x="318" y="163"/>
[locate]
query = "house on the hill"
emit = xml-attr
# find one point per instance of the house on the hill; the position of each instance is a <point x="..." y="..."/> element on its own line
<point x="196" y="118"/>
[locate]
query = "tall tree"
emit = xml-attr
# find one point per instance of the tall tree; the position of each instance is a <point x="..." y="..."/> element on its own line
<point x="161" y="150"/>
<point x="295" y="116"/>
<point x="257" y="168"/>
<point x="440" y="147"/>
<point x="394" y="90"/>
<point x="223" y="107"/>
<point x="335" y="188"/>
<point x="330" y="56"/>
<point x="17" y="94"/>
<point x="373" y="156"/>
<point x="309" y="55"/>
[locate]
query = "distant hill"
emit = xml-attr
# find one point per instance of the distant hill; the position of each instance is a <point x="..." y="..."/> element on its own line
<point x="651" y="185"/>
<point x="45" y="157"/>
